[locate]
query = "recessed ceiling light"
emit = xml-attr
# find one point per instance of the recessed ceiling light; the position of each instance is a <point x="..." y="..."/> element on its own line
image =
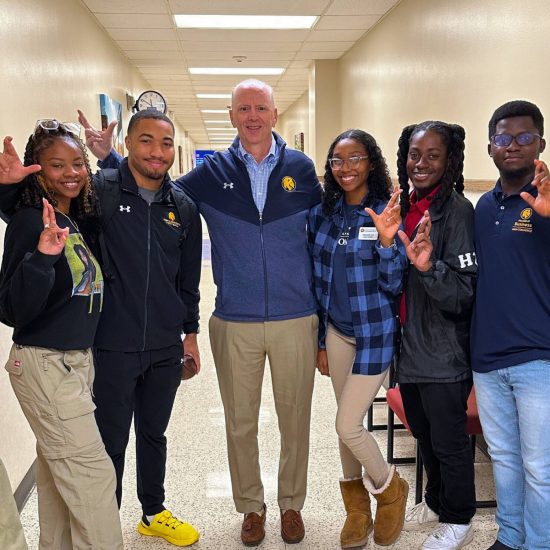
<point x="217" y="111"/>
<point x="261" y="71"/>
<point x="285" y="22"/>
<point x="214" y="96"/>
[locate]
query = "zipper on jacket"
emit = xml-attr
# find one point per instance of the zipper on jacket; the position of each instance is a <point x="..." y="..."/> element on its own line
<point x="264" y="262"/>
<point x="148" y="275"/>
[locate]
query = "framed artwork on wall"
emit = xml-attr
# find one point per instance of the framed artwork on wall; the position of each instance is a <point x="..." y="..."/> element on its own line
<point x="110" y="110"/>
<point x="299" y="141"/>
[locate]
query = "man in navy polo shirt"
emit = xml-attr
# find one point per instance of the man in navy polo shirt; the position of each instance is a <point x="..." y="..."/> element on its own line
<point x="511" y="326"/>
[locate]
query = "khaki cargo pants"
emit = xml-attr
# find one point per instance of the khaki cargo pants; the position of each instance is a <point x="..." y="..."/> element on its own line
<point x="11" y="532"/>
<point x="75" y="477"/>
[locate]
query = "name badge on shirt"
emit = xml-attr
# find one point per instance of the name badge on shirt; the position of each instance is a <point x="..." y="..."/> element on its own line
<point x="368" y="234"/>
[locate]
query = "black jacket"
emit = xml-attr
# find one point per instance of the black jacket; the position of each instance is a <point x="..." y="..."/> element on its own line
<point x="153" y="294"/>
<point x="435" y="342"/>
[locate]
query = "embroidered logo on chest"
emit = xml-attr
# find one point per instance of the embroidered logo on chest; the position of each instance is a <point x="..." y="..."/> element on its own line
<point x="524" y="224"/>
<point x="288" y="184"/>
<point x="171" y="220"/>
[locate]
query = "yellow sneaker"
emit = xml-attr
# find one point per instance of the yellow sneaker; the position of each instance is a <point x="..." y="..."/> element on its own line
<point x="169" y="528"/>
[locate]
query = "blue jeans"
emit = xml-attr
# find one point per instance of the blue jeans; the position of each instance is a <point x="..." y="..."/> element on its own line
<point x="514" y="408"/>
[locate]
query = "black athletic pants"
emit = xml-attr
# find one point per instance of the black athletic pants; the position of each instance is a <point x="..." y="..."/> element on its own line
<point x="436" y="413"/>
<point x="141" y="385"/>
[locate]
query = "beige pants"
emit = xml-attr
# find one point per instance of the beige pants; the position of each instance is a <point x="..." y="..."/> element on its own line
<point x="354" y="395"/>
<point x="75" y="477"/>
<point x="239" y="351"/>
<point x="11" y="532"/>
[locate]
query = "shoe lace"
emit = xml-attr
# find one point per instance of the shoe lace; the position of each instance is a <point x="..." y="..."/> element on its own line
<point x="415" y="512"/>
<point x="171" y="521"/>
<point x="443" y="531"/>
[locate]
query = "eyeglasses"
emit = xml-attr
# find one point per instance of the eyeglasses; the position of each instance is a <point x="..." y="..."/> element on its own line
<point x="504" y="140"/>
<point x="51" y="124"/>
<point x="353" y="162"/>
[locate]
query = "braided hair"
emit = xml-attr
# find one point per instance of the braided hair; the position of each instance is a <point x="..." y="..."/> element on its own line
<point x="379" y="181"/>
<point x="453" y="137"/>
<point x="34" y="188"/>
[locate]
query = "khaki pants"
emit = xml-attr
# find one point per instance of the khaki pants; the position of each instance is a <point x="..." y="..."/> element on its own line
<point x="354" y="395"/>
<point x="239" y="351"/>
<point x="11" y="532"/>
<point x="74" y="476"/>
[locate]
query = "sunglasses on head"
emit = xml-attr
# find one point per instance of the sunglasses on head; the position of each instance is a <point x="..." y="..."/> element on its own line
<point x="51" y="124"/>
<point x="504" y="140"/>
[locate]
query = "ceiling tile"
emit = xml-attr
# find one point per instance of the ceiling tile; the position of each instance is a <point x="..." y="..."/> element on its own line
<point x="327" y="46"/>
<point x="143" y="54"/>
<point x="318" y="55"/>
<point x="142" y="34"/>
<point x="336" y="35"/>
<point x="156" y="45"/>
<point x="126" y="6"/>
<point x="347" y="22"/>
<point x="135" y="21"/>
<point x="360" y="7"/>
<point x="229" y="36"/>
<point x="246" y="47"/>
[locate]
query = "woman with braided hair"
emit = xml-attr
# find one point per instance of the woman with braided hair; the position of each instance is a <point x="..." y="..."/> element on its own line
<point x="434" y="371"/>
<point x="50" y="364"/>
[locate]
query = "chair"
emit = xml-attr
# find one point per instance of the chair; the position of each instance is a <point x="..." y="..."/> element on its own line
<point x="473" y="428"/>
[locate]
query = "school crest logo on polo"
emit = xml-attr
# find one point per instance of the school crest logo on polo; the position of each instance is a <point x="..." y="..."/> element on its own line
<point x="524" y="224"/>
<point x="526" y="214"/>
<point x="288" y="184"/>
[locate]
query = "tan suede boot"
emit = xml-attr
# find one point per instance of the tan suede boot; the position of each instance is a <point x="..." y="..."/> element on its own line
<point x="358" y="523"/>
<point x="390" y="511"/>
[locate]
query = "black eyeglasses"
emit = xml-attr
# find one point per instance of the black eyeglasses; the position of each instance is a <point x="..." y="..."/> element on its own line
<point x="353" y="162"/>
<point x="51" y="124"/>
<point x="504" y="140"/>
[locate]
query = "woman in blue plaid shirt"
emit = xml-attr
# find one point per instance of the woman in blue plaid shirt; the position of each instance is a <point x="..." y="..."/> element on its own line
<point x="358" y="272"/>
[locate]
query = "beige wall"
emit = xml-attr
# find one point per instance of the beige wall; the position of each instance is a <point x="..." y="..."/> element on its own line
<point x="449" y="60"/>
<point x="54" y="59"/>
<point x="294" y="121"/>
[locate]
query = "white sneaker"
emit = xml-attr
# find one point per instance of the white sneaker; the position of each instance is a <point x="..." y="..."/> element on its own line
<point x="419" y="517"/>
<point x="449" y="536"/>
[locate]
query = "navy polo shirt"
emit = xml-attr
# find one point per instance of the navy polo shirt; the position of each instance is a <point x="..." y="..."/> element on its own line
<point x="511" y="323"/>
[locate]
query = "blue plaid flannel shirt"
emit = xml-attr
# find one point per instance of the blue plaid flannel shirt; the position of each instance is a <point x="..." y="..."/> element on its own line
<point x="375" y="279"/>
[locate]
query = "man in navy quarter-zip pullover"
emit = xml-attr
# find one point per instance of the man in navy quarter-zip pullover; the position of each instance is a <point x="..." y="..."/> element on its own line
<point x="255" y="198"/>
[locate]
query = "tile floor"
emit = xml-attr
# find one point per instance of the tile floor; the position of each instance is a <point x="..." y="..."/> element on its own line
<point x="198" y="485"/>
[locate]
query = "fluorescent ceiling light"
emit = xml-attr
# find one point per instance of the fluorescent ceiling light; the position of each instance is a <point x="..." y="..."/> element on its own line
<point x="284" y="22"/>
<point x="226" y="136"/>
<point x="261" y="71"/>
<point x="214" y="96"/>
<point x="216" y="111"/>
<point x="222" y="129"/>
<point x="226" y="140"/>
<point x="217" y="122"/>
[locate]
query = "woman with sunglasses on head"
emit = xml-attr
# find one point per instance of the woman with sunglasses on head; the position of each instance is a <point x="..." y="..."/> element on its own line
<point x="50" y="363"/>
<point x="434" y="371"/>
<point x="358" y="272"/>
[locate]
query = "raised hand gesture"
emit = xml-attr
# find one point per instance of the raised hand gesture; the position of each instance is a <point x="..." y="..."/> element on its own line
<point x="11" y="167"/>
<point x="52" y="239"/>
<point x="541" y="203"/>
<point x="99" y="142"/>
<point x="419" y="251"/>
<point x="388" y="221"/>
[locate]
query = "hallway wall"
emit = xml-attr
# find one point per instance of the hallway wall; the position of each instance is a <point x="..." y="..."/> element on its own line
<point x="448" y="60"/>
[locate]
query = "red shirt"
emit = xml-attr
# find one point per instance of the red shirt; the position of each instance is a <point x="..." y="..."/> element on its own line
<point x="412" y="219"/>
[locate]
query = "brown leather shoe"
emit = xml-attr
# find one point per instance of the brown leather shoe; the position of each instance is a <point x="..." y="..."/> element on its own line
<point x="252" y="530"/>
<point x="292" y="527"/>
